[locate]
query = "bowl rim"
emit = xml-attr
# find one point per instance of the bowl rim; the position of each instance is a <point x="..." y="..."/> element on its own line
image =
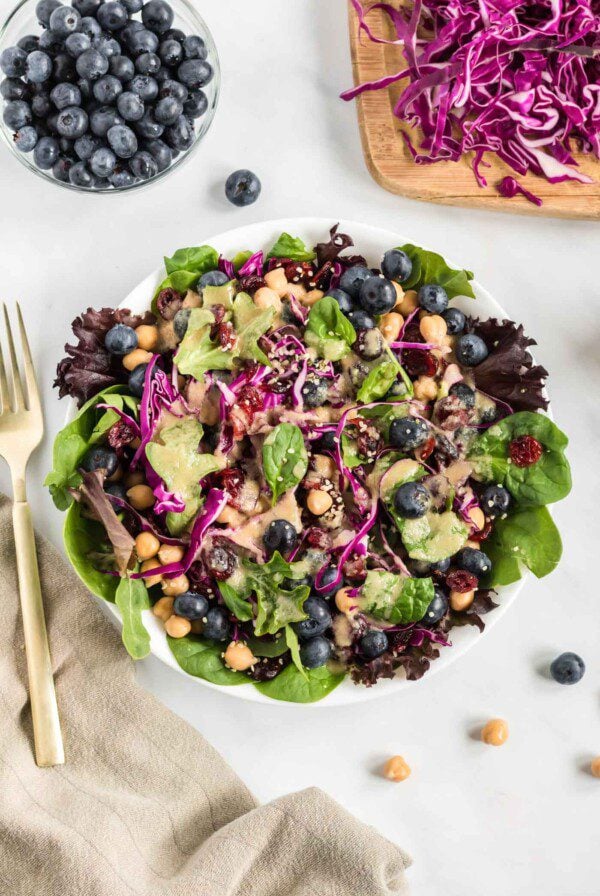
<point x="259" y="234"/>
<point x="179" y="161"/>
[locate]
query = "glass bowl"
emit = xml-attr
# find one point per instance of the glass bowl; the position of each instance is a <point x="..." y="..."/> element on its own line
<point x="23" y="21"/>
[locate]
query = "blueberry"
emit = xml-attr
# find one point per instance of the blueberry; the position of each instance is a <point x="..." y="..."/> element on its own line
<point x="44" y="10"/>
<point x="290" y="584"/>
<point x="242" y="187"/>
<point x="314" y="391"/>
<point x="194" y="47"/>
<point x="325" y="583"/>
<point x="495" y="501"/>
<point x="157" y="16"/>
<point x="137" y="376"/>
<point x="122" y="141"/>
<point x="143" y="41"/>
<point x="464" y="394"/>
<point x="120" y="340"/>
<point x="17" y="114"/>
<point x="121" y="67"/>
<point x="160" y="152"/>
<point x="280" y="536"/>
<point x="62" y="168"/>
<point x="102" y="162"/>
<point x="568" y="668"/>
<point x="38" y="67"/>
<point x="216" y="627"/>
<point x="107" y="89"/>
<point x="145" y="87"/>
<point x="178" y="91"/>
<point x="373" y="643"/>
<point x="421" y="569"/>
<point x="170" y="52"/>
<point x="112" y="16"/>
<point x="100" y="458"/>
<point x="80" y="175"/>
<point x="86" y="7"/>
<point x="76" y="44"/>
<point x="148" y="64"/>
<point x="14" y="89"/>
<point x="343" y="299"/>
<point x="474" y="561"/>
<point x="26" y="138"/>
<point x="63" y="68"/>
<point x="28" y="43"/>
<point x="50" y="42"/>
<point x="90" y="28"/>
<point x="369" y="344"/>
<point x="196" y="104"/>
<point x="181" y="321"/>
<point x="64" y="20"/>
<point x="433" y="298"/>
<point x="131" y="28"/>
<point x="455" y="321"/>
<point x="102" y="119"/>
<point x="132" y="6"/>
<point x="190" y="605"/>
<point x="213" y="278"/>
<point x="41" y="104"/>
<point x="195" y="73"/>
<point x="412" y="500"/>
<point x="180" y="135"/>
<point x="149" y="127"/>
<point x="121" y="179"/>
<point x="174" y="34"/>
<point x="319" y="618"/>
<point x="116" y="490"/>
<point x="64" y="95"/>
<point x="108" y="46"/>
<point x="130" y="106"/>
<point x="13" y="61"/>
<point x="91" y="64"/>
<point x="143" y="165"/>
<point x="316" y="652"/>
<point x="360" y="320"/>
<point x="396" y="265"/>
<point x="326" y="441"/>
<point x="72" y="122"/>
<point x="353" y="278"/>
<point x="168" y="110"/>
<point x="470" y="350"/>
<point x="408" y="433"/>
<point x="437" y="609"/>
<point x="46" y="152"/>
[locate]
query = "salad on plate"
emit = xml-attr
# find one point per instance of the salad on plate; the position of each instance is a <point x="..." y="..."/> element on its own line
<point x="306" y="466"/>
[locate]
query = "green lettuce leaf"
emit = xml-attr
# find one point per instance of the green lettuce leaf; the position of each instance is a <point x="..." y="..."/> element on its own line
<point x="131" y="597"/>
<point x="433" y="537"/>
<point x="276" y="606"/>
<point x="395" y="598"/>
<point x="328" y="330"/>
<point x="291" y="247"/>
<point x="250" y="323"/>
<point x="291" y="639"/>
<point x="197" y="353"/>
<point x="196" y="259"/>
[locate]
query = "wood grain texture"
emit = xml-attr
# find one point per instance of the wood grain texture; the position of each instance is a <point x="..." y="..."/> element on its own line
<point x="451" y="183"/>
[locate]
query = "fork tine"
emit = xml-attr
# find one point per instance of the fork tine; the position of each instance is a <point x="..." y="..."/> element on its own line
<point x="16" y="378"/>
<point x="4" y="396"/>
<point x="32" y="387"/>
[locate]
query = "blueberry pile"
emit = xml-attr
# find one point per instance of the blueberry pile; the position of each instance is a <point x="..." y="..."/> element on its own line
<point x="102" y="98"/>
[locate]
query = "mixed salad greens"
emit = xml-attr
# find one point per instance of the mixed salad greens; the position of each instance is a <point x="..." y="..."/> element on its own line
<point x="307" y="467"/>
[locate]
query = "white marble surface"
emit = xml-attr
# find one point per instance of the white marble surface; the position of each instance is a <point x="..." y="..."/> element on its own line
<point x="518" y="820"/>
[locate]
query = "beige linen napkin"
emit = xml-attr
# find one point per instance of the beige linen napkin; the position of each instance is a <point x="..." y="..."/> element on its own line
<point x="126" y="815"/>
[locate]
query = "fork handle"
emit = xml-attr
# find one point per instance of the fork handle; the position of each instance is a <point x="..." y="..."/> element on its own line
<point x="44" y="710"/>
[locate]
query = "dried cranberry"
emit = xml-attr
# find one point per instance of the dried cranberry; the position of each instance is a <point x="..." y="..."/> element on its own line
<point x="355" y="568"/>
<point x="299" y="272"/>
<point x="460" y="580"/>
<point x="251" y="283"/>
<point x="426" y="450"/>
<point x="168" y="302"/>
<point x="418" y="362"/>
<point x="269" y="667"/>
<point x="219" y="312"/>
<point x="226" y="336"/>
<point x="525" y="451"/>
<point x="322" y="276"/>
<point x="251" y="397"/>
<point x="119" y="435"/>
<point x="368" y="443"/>
<point x="319" y="539"/>
<point x="220" y="561"/>
<point x="483" y="533"/>
<point x="231" y="480"/>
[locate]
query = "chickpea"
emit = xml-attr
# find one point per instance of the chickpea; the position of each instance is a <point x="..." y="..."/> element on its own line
<point x="399" y="294"/>
<point x="170" y="553"/>
<point x="267" y="298"/>
<point x="137" y="356"/>
<point x="147" y="336"/>
<point x="238" y="656"/>
<point x="197" y="626"/>
<point x="477" y="517"/>
<point x="433" y="328"/>
<point x="425" y="388"/>
<point x="177" y="626"/>
<point x="146" y="546"/>
<point x="495" y="732"/>
<point x="409" y="303"/>
<point x="396" y="769"/>
<point x="277" y="281"/>
<point x="390" y="325"/>
<point x="312" y="296"/>
<point x="297" y="290"/>
<point x="141" y="497"/>
<point x="318" y="502"/>
<point x="192" y="299"/>
<point x="116" y="476"/>
<point x="324" y="465"/>
<point x="177" y="585"/>
<point x="595" y="767"/>
<point x="134" y="478"/>
<point x="229" y="516"/>
<point x="163" y="608"/>
<point x="344" y="602"/>
<point x="461" y="600"/>
<point x="146" y="566"/>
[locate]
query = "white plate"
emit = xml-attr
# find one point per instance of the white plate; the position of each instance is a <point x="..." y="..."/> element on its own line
<point x="370" y="242"/>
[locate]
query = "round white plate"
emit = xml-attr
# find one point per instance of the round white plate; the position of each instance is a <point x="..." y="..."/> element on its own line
<point x="371" y="242"/>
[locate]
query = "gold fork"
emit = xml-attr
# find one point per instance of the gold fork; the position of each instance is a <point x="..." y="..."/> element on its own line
<point x="21" y="431"/>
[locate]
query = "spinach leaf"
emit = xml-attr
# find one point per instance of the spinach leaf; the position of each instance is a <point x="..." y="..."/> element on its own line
<point x="395" y="598"/>
<point x="131" y="597"/>
<point x="378" y="381"/>
<point x="434" y="536"/>
<point x="428" y="267"/>
<point x="241" y="258"/>
<point x="197" y="353"/>
<point x="544" y="482"/>
<point x="293" y="687"/>
<point x="350" y="455"/>
<point x="291" y="247"/>
<point x="291" y="639"/>
<point x="284" y="458"/>
<point x="202" y="659"/>
<point x="276" y="606"/>
<point x="529" y="536"/>
<point x="250" y="323"/>
<point x="241" y="609"/>
<point x="88" y="550"/>
<point x="328" y="330"/>
<point x="260" y="647"/>
<point x="197" y="259"/>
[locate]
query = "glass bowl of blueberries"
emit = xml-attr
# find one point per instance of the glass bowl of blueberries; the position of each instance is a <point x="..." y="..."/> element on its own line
<point x="106" y="95"/>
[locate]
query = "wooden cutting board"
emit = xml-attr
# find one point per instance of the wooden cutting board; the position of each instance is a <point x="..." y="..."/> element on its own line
<point x="451" y="183"/>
